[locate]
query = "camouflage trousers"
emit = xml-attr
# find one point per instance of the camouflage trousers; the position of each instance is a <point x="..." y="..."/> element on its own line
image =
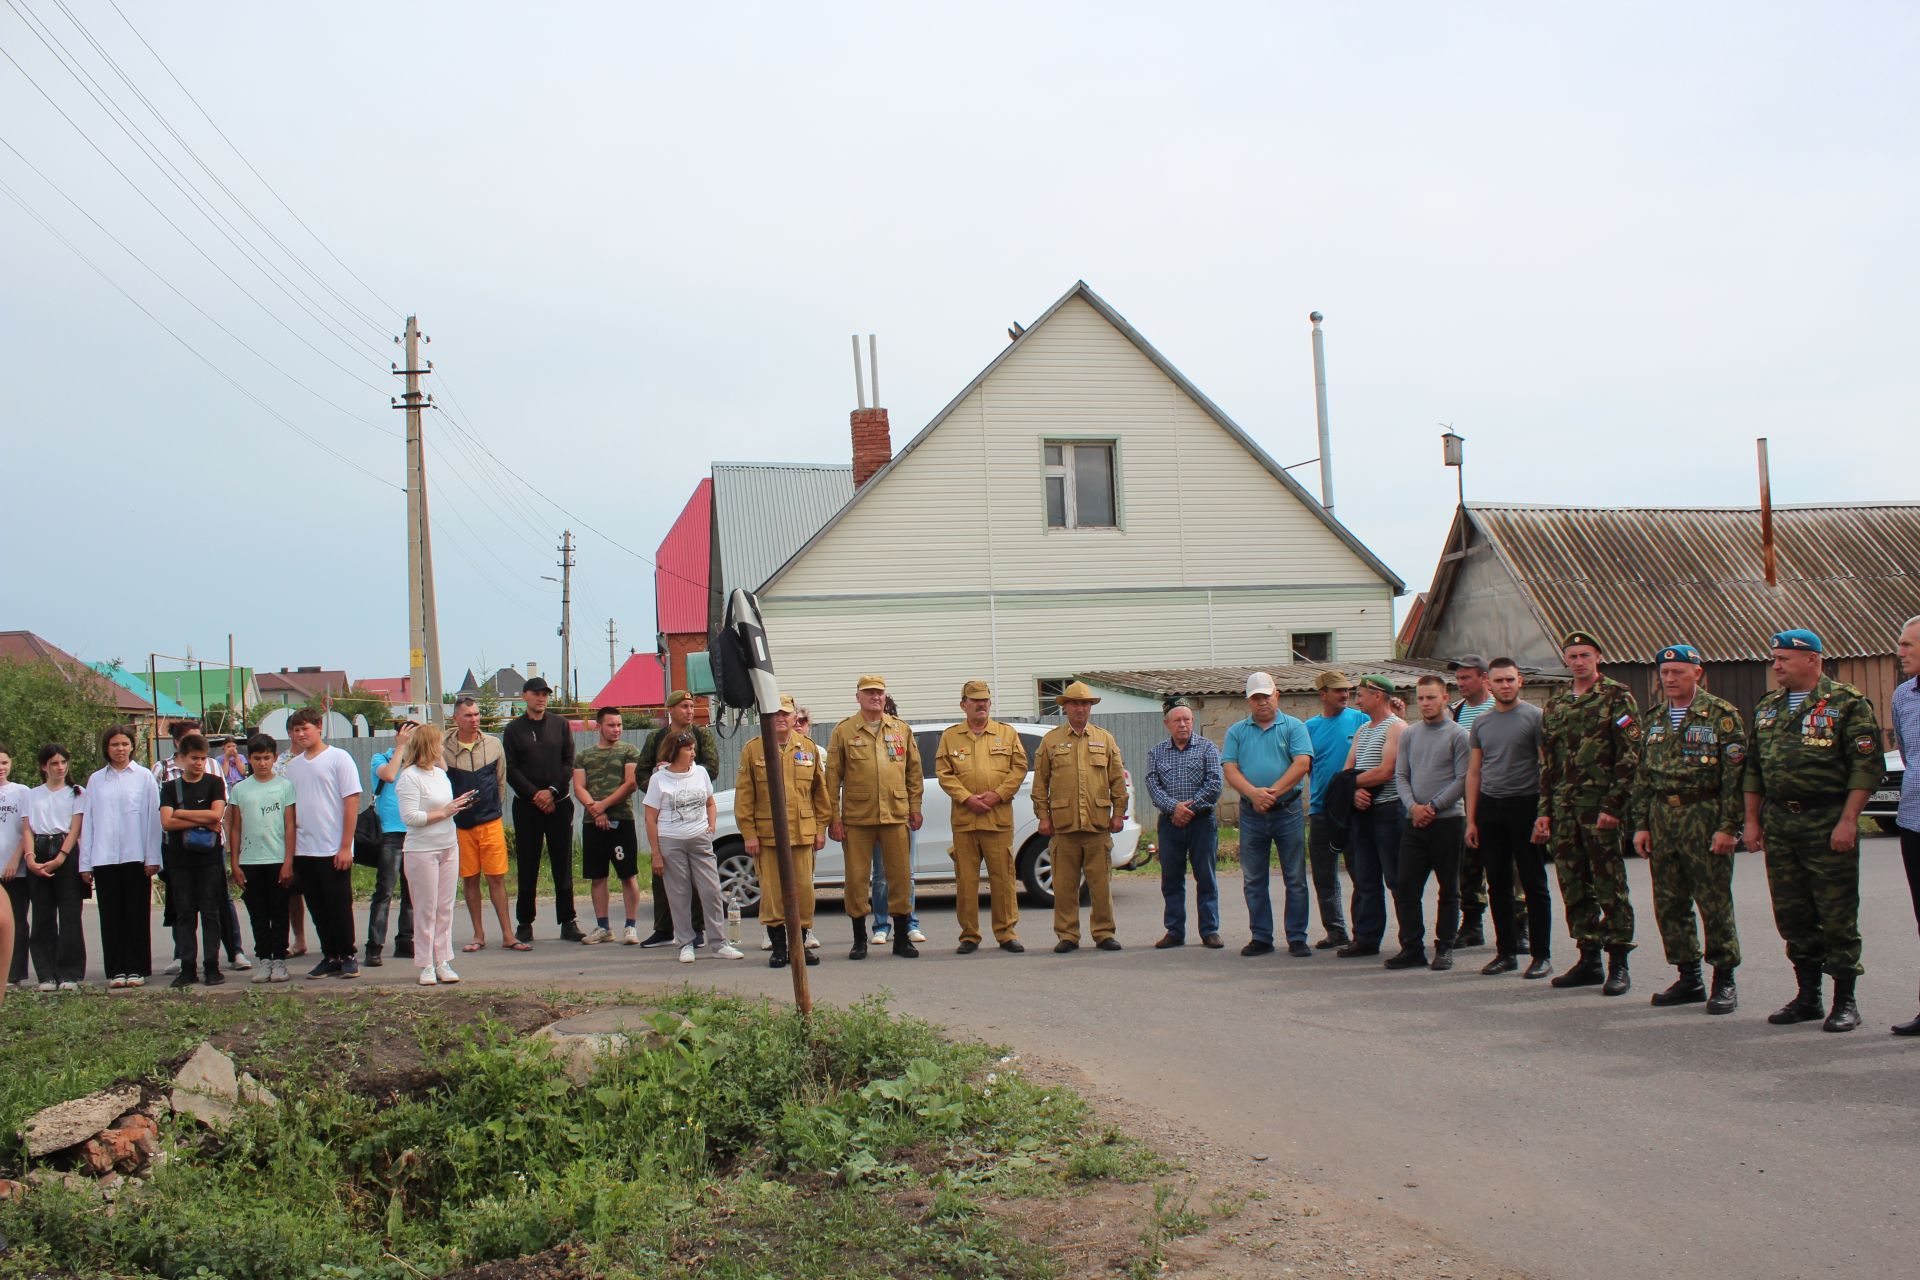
<point x="1816" y="892"/>
<point x="1688" y="874"/>
<point x="1593" y="883"/>
<point x="1473" y="884"/>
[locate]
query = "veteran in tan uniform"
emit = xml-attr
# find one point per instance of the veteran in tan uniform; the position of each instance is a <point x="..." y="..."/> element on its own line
<point x="1080" y="797"/>
<point x="805" y="777"/>
<point x="874" y="785"/>
<point x="980" y="765"/>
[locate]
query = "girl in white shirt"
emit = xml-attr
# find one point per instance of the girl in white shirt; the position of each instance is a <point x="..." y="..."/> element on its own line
<point x="13" y="869"/>
<point x="681" y="814"/>
<point x="431" y="854"/>
<point x="53" y="865"/>
<point x="120" y="854"/>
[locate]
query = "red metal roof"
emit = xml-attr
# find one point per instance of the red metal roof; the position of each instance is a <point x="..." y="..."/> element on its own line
<point x="392" y="688"/>
<point x="638" y="683"/>
<point x="680" y="569"/>
<point x="25" y="646"/>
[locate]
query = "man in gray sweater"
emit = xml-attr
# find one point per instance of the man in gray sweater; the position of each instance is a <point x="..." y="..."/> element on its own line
<point x="1431" y="775"/>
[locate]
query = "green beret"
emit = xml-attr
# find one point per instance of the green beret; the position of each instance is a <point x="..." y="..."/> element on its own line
<point x="1581" y="637"/>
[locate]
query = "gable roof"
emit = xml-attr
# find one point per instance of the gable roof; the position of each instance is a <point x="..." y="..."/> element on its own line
<point x="25" y="646"/>
<point x="681" y="565"/>
<point x="1083" y="292"/>
<point x="765" y="512"/>
<point x="305" y="681"/>
<point x="1643" y="577"/>
<point x="393" y="688"/>
<point x="143" y="695"/>
<point x="638" y="683"/>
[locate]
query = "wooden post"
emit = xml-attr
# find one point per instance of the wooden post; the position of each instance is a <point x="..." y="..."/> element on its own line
<point x="783" y="852"/>
<point x="1766" y="518"/>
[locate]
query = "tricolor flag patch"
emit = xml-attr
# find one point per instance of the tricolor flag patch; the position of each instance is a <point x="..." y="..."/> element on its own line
<point x="1623" y="721"/>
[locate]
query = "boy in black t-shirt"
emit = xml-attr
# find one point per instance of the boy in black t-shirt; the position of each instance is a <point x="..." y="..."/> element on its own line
<point x="192" y="808"/>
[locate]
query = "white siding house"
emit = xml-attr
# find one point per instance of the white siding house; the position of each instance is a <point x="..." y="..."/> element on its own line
<point x="998" y="544"/>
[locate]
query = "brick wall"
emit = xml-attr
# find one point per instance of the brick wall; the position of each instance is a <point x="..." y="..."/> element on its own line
<point x="872" y="443"/>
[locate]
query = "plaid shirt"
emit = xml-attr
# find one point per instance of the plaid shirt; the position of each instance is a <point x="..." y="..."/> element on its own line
<point x="1191" y="776"/>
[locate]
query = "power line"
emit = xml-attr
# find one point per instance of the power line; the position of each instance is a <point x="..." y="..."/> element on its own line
<point x="151" y="154"/>
<point x="243" y="160"/>
<point x="186" y="146"/>
<point x="269" y="362"/>
<point x="266" y="408"/>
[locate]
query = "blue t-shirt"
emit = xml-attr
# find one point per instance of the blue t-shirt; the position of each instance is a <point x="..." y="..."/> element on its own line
<point x="1332" y="739"/>
<point x="387" y="802"/>
<point x="1264" y="754"/>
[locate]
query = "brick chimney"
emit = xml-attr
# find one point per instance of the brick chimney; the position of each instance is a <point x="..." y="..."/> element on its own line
<point x="872" y="444"/>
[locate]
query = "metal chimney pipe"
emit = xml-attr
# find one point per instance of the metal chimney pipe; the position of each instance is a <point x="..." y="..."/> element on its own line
<point x="1320" y="408"/>
<point x="859" y="378"/>
<point x="1766" y="517"/>
<point x="873" y="365"/>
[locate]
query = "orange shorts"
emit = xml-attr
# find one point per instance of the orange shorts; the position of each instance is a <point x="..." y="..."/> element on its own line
<point x="483" y="850"/>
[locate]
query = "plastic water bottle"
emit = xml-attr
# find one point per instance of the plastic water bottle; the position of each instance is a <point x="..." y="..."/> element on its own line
<point x="733" y="918"/>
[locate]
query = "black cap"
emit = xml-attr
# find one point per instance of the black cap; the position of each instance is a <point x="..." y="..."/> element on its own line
<point x="536" y="685"/>
<point x="1471" y="661"/>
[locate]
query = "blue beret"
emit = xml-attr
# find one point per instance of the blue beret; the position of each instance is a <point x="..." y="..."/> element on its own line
<point x="1679" y="653"/>
<point x="1800" y="638"/>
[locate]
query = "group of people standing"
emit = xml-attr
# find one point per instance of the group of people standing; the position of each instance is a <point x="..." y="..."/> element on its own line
<point x="1482" y="794"/>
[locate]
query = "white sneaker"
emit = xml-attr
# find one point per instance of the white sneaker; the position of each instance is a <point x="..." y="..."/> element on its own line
<point x="427" y="978"/>
<point x="240" y="961"/>
<point x="766" y="942"/>
<point x="631" y="937"/>
<point x="595" y="937"/>
<point x="727" y="951"/>
<point x="445" y="972"/>
<point x="882" y="936"/>
<point x="172" y="967"/>
<point x="686" y="955"/>
<point x="813" y="943"/>
<point x="116" y="982"/>
<point x="49" y="986"/>
<point x="136" y="980"/>
<point x="914" y="935"/>
<point x="266" y="973"/>
<point x="69" y="986"/>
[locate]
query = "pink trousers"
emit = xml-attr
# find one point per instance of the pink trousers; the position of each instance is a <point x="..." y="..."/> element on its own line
<point x="433" y="877"/>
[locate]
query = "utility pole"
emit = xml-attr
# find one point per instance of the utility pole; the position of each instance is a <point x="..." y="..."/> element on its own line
<point x="610" y="640"/>
<point x="566" y="616"/>
<point x="423" y="627"/>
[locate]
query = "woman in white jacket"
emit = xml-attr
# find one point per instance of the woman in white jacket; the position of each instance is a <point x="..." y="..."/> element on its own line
<point x="431" y="854"/>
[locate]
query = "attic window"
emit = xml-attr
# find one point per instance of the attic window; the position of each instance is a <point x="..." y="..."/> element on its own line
<point x="1079" y="484"/>
<point x="1312" y="646"/>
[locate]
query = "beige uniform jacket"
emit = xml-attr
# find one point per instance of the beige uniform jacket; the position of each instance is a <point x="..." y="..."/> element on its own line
<point x="873" y="772"/>
<point x="806" y="781"/>
<point x="968" y="763"/>
<point x="1079" y="782"/>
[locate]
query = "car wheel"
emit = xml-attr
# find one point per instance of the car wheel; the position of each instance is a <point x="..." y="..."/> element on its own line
<point x="739" y="877"/>
<point x="1035" y="868"/>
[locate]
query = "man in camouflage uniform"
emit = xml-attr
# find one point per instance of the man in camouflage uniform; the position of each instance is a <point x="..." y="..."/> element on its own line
<point x="1813" y="759"/>
<point x="1686" y="808"/>
<point x="1590" y="744"/>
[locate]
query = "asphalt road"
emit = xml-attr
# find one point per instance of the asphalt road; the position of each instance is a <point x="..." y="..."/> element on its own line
<point x="1561" y="1132"/>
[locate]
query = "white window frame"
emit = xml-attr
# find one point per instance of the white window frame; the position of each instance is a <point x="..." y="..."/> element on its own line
<point x="1063" y="471"/>
<point x="1293" y="647"/>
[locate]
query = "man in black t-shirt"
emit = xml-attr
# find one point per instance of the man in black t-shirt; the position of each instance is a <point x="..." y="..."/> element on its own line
<point x="192" y="807"/>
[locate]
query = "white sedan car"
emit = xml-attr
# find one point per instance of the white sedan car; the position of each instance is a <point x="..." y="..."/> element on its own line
<point x="931" y="863"/>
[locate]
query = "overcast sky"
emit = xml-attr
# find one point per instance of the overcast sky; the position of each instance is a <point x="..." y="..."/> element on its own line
<point x="1611" y="244"/>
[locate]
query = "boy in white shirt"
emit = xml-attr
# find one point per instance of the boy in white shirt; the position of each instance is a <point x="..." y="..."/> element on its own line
<point x="327" y="802"/>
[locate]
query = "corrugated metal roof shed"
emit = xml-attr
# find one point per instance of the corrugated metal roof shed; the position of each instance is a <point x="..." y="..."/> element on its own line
<point x="1643" y="577"/>
<point x="681" y="567"/>
<point x="764" y="512"/>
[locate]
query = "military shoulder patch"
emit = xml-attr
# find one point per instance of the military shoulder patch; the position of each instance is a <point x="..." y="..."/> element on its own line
<point x="1736" y="752"/>
<point x="1726" y="724"/>
<point x="1864" y="744"/>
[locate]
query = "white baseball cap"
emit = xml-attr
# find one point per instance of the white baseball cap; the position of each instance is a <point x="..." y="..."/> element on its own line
<point x="1260" y="682"/>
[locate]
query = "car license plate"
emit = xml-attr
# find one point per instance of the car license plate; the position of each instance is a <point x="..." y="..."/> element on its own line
<point x="1885" y="797"/>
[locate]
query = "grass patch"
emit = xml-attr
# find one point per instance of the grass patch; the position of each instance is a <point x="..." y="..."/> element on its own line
<point x="419" y="1136"/>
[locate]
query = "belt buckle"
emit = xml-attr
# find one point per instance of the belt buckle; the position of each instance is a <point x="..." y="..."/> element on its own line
<point x="1791" y="806"/>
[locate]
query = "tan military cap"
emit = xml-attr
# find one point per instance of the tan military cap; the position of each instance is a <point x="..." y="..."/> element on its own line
<point x="976" y="689"/>
<point x="1077" y="692"/>
<point x="1332" y="680"/>
<point x="786" y="704"/>
<point x="871" y="682"/>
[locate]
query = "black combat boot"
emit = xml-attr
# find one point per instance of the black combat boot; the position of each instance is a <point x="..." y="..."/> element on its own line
<point x="1911" y="1027"/>
<point x="1806" y="1006"/>
<point x="777" y="934"/>
<point x="1846" y="1014"/>
<point x="859" y="951"/>
<point x="1587" y="973"/>
<point x="1688" y="990"/>
<point x="1472" y="934"/>
<point x="902" y="944"/>
<point x="1619" y="981"/>
<point x="1725" y="997"/>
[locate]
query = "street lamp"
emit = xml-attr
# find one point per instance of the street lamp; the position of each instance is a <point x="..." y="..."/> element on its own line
<point x="1454" y="454"/>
